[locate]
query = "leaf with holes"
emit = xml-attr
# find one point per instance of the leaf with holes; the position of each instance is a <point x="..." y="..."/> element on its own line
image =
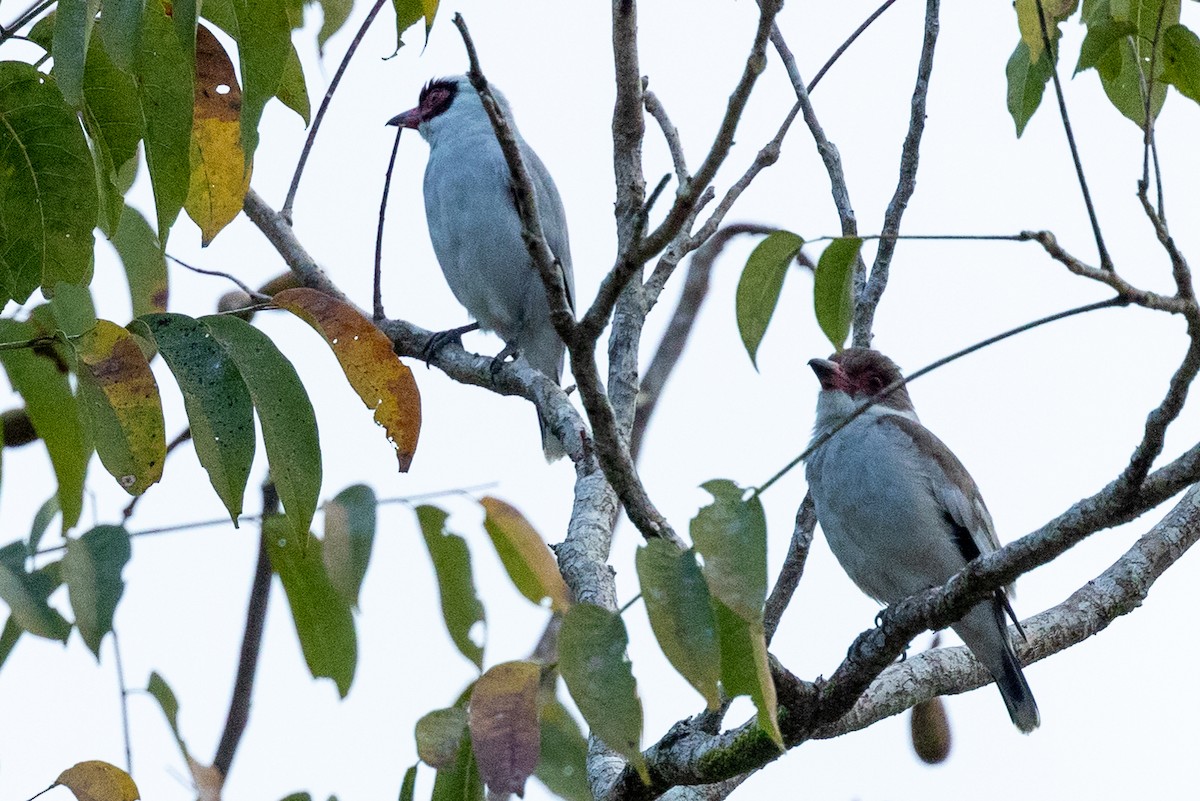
<point x="461" y="608"/>
<point x="385" y="385"/>
<point x="529" y="562"/>
<point x="124" y="411"/>
<point x="759" y="287"/>
<point x="833" y="288"/>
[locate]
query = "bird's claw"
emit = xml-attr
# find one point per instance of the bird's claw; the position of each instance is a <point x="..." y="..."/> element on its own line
<point x="502" y="358"/>
<point x="441" y="339"/>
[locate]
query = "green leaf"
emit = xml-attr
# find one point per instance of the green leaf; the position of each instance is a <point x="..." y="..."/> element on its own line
<point x="41" y="521"/>
<point x="293" y="90"/>
<point x="8" y="639"/>
<point x="759" y="287"/>
<point x="121" y="30"/>
<point x="52" y="411"/>
<point x="1026" y="84"/>
<point x="91" y="570"/>
<point x="563" y="766"/>
<point x="72" y="310"/>
<point x="459" y="782"/>
<point x="289" y="425"/>
<point x="349" y="535"/>
<point x="124" y="411"/>
<point x="26" y="594"/>
<point x="592" y="660"/>
<point x="439" y="734"/>
<point x="731" y="535"/>
<point x="215" y="397"/>
<point x="165" y="76"/>
<point x="1181" y="61"/>
<point x="408" y="788"/>
<point x="461" y="608"/>
<point x="73" y="21"/>
<point x="409" y="13"/>
<point x="1123" y="68"/>
<point x="324" y="622"/>
<point x="833" y="288"/>
<point x="745" y="669"/>
<point x="504" y="728"/>
<point x="334" y="13"/>
<point x="529" y="562"/>
<point x="145" y="266"/>
<point x="113" y="119"/>
<point x="1102" y="39"/>
<point x="680" y="611"/>
<point x="162" y="692"/>
<point x="48" y="200"/>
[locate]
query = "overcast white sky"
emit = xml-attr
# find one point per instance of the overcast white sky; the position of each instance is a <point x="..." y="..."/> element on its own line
<point x="1040" y="420"/>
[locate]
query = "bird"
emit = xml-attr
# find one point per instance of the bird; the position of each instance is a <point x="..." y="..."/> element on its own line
<point x="901" y="513"/>
<point x="476" y="231"/>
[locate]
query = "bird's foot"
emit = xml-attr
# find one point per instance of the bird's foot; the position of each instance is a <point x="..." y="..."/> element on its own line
<point x="510" y="351"/>
<point x="441" y="339"/>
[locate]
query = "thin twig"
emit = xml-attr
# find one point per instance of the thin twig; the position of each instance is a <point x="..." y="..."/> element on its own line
<point x="24" y="18"/>
<point x="1105" y="260"/>
<point x="793" y="567"/>
<point x="124" y="688"/>
<point x="895" y="385"/>
<point x="1148" y="119"/>
<point x="846" y="44"/>
<point x="219" y="274"/>
<point x="256" y="614"/>
<point x="286" y="211"/>
<point x="867" y="301"/>
<point x="670" y="134"/>
<point x="387" y="184"/>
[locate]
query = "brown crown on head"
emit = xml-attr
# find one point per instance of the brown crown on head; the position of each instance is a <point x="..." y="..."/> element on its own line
<point x="865" y="373"/>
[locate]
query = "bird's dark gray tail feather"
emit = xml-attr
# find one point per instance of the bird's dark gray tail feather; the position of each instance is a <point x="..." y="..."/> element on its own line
<point x="552" y="446"/>
<point x="1014" y="689"/>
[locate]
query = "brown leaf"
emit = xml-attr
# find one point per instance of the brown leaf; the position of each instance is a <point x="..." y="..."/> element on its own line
<point x="98" y="781"/>
<point x="384" y="383"/>
<point x="504" y="726"/>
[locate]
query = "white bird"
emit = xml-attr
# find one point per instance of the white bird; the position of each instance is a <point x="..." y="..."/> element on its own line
<point x="901" y="513"/>
<point x="476" y="231"/>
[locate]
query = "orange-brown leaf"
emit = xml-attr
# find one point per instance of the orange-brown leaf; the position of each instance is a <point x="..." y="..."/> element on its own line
<point x="504" y="725"/>
<point x="220" y="175"/>
<point x="384" y="383"/>
<point x="98" y="781"/>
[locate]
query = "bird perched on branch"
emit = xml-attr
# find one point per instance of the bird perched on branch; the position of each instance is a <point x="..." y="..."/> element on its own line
<point x="901" y="513"/>
<point x="476" y="230"/>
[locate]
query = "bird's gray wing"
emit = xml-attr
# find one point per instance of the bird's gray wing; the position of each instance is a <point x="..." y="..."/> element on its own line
<point x="553" y="218"/>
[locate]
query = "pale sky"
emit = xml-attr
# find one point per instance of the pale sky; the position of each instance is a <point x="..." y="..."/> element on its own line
<point x="1040" y="420"/>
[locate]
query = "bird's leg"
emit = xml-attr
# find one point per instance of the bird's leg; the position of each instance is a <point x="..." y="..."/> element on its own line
<point x="510" y="351"/>
<point x="441" y="339"/>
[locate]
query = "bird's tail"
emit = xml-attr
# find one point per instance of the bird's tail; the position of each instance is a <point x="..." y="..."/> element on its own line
<point x="985" y="631"/>
<point x="552" y="446"/>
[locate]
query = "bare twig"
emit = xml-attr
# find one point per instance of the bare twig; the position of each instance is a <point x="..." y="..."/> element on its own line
<point x="793" y="567"/>
<point x="670" y="134"/>
<point x="286" y="211"/>
<point x="867" y="301"/>
<point x="256" y="613"/>
<point x="1052" y="54"/>
<point x="219" y="274"/>
<point x="387" y="184"/>
<point x="124" y="689"/>
<point x="846" y="44"/>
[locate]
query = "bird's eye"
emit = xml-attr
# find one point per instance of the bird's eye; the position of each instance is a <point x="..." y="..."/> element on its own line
<point x="436" y="101"/>
<point x="874" y="384"/>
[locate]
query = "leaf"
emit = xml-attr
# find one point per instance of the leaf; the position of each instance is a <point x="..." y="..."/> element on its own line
<point x="145" y="266"/>
<point x="162" y="692"/>
<point x="459" y="782"/>
<point x="592" y="660"/>
<point x="731" y="535"/>
<point x="91" y="570"/>
<point x="504" y="725"/>
<point x="385" y="385"/>
<point x="833" y="288"/>
<point x="1102" y="40"/>
<point x="98" y="781"/>
<point x="1181" y="61"/>
<point x="293" y="91"/>
<point x="1055" y="11"/>
<point x="164" y="75"/>
<point x="41" y="521"/>
<point x="1124" y="67"/>
<point x="680" y="611"/>
<point x="324" y="622"/>
<point x="334" y="13"/>
<point x="349" y="535"/>
<point x="121" y="30"/>
<point x="439" y="734"/>
<point x="759" y="287"/>
<point x="409" y="13"/>
<point x="124" y="411"/>
<point x="73" y="21"/>
<point x="48" y="200"/>
<point x="745" y="669"/>
<point x="215" y="397"/>
<point x="563" y="765"/>
<point x="408" y="787"/>
<point x="53" y="412"/>
<point x="1026" y="84"/>
<point x="289" y="425"/>
<point x="530" y="565"/>
<point x="220" y="171"/>
<point x="26" y="594"/>
<point x="8" y="639"/>
<point x="70" y="311"/>
<point x="461" y="608"/>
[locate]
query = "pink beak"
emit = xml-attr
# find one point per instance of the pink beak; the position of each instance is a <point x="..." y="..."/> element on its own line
<point x="407" y="119"/>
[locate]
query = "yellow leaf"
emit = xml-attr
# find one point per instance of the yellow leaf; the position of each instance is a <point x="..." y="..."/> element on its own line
<point x="1031" y="27"/>
<point x="220" y="175"/>
<point x="384" y="383"/>
<point x="98" y="781"/>
<point x="526" y="557"/>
